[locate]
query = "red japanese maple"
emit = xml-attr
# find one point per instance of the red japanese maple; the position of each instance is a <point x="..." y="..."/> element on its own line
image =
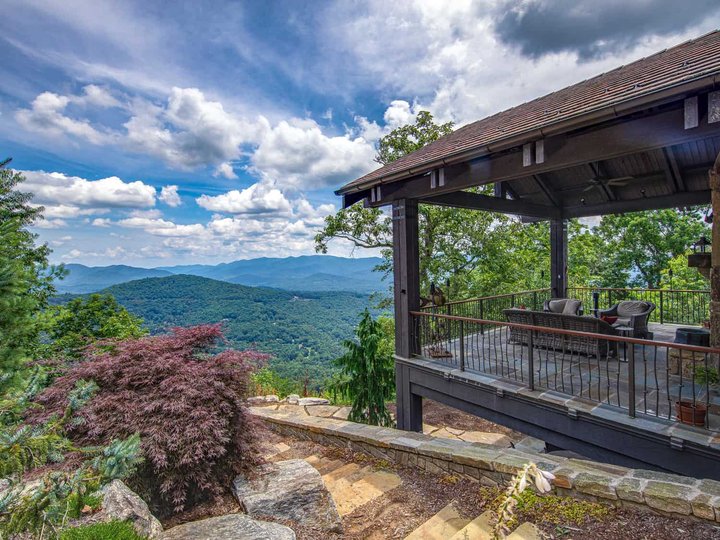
<point x="184" y="400"/>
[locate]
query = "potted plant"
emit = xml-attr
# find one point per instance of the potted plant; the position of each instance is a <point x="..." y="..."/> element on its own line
<point x="689" y="412"/>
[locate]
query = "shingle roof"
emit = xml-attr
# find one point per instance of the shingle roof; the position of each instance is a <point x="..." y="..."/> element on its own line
<point x="695" y="59"/>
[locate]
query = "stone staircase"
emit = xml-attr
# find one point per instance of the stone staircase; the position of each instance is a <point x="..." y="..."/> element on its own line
<point x="350" y="485"/>
<point x="448" y="524"/>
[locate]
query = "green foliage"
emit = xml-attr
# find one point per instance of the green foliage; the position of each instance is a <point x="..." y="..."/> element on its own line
<point x="111" y="530"/>
<point x="406" y="139"/>
<point x="43" y="508"/>
<point x="302" y="331"/>
<point x="707" y="376"/>
<point x="266" y="381"/>
<point x="557" y="510"/>
<point x="25" y="277"/>
<point x="368" y="373"/>
<point x="84" y="321"/>
<point x="644" y="243"/>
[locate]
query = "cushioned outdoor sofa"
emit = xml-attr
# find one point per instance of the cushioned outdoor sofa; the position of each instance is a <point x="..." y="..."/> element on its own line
<point x="590" y="346"/>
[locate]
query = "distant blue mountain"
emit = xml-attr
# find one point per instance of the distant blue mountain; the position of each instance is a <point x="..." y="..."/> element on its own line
<point x="314" y="273"/>
<point x="83" y="279"/>
<point x="305" y="273"/>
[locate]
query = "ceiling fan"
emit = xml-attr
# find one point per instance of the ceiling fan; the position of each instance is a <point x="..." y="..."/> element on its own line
<point x="601" y="181"/>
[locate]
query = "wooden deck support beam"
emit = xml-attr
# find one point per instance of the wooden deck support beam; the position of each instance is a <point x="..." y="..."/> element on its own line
<point x="714" y="181"/>
<point x="558" y="258"/>
<point x="406" y="273"/>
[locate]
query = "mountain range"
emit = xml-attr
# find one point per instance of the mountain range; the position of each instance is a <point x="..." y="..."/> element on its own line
<point x="305" y="273"/>
<point x="303" y="331"/>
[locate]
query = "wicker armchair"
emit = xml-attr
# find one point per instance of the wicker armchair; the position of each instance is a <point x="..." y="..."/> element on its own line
<point x="632" y="313"/>
<point x="566" y="306"/>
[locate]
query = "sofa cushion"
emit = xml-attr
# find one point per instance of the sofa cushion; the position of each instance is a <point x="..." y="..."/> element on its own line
<point x="571" y="307"/>
<point x="557" y="306"/>
<point x="631" y="307"/>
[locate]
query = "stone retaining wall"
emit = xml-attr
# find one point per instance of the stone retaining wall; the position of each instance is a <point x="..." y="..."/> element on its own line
<point x="662" y="492"/>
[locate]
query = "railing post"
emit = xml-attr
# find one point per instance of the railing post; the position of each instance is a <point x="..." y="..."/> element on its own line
<point x="512" y="300"/>
<point x="531" y="362"/>
<point x="535" y="304"/>
<point x="609" y="298"/>
<point x="631" y="378"/>
<point x="661" y="307"/>
<point x="462" y="346"/>
<point x="482" y="326"/>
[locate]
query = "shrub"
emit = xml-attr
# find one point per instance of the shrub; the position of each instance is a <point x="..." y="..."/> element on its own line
<point x="367" y="375"/>
<point x="111" y="530"/>
<point x="183" y="400"/>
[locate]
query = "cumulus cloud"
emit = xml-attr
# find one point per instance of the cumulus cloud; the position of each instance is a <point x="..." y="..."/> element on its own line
<point x="296" y="153"/>
<point x="46" y="116"/>
<point x="257" y="199"/>
<point x="58" y="189"/>
<point x="169" y="195"/>
<point x="225" y="170"/>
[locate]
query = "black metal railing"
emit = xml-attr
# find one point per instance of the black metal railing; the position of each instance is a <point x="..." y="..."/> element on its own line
<point x="660" y="379"/>
<point x="674" y="306"/>
<point x="491" y="307"/>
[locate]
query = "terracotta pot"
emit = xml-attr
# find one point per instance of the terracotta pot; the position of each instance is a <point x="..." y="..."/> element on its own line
<point x="687" y="414"/>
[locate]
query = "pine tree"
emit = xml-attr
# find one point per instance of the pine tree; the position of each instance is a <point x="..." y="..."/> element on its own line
<point x="368" y="377"/>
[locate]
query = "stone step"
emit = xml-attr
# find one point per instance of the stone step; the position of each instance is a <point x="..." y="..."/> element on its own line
<point x="445" y="524"/>
<point x="526" y="531"/>
<point x="324" y="465"/>
<point x="371" y="486"/>
<point x="338" y="485"/>
<point x="480" y="528"/>
<point x="341" y="473"/>
<point x="276" y="449"/>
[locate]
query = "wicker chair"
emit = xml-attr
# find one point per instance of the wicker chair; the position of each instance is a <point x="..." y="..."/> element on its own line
<point x="632" y="313"/>
<point x="566" y="306"/>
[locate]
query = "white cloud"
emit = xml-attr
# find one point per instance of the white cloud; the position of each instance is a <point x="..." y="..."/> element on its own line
<point x="101" y="222"/>
<point x="226" y="170"/>
<point x="297" y="153"/>
<point x="108" y="253"/>
<point x="161" y="227"/>
<point x="98" y="96"/>
<point x="46" y="116"/>
<point x="257" y="199"/>
<point x="169" y="195"/>
<point x="50" y="223"/>
<point x="64" y="192"/>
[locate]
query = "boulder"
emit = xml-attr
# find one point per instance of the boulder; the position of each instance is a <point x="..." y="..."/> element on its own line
<point x="292" y="399"/>
<point x="291" y="489"/>
<point x="272" y="399"/>
<point x="256" y="399"/>
<point x="230" y="527"/>
<point x="121" y="503"/>
<point x="312" y="401"/>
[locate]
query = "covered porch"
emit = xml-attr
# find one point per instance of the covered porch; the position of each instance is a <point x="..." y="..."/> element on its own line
<point x="644" y="136"/>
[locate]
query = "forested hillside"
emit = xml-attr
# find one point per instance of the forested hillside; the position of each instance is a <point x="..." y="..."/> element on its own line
<point x="82" y="279"/>
<point x="303" y="331"/>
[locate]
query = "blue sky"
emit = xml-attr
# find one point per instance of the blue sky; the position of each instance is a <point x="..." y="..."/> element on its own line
<point x="162" y="132"/>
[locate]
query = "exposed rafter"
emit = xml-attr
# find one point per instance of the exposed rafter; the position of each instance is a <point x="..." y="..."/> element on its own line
<point x="475" y="201"/>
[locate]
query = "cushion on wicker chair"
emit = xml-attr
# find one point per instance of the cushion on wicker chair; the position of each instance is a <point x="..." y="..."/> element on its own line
<point x="571" y="307"/>
<point x="628" y="308"/>
<point x="557" y="306"/>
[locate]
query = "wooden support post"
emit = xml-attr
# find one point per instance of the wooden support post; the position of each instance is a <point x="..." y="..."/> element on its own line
<point x="406" y="271"/>
<point x="714" y="180"/>
<point x="558" y="258"/>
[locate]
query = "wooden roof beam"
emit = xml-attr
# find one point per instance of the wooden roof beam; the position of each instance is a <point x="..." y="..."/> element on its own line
<point x="475" y="201"/>
<point x="672" y="171"/>
<point x="676" y="200"/>
<point x="542" y="184"/>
